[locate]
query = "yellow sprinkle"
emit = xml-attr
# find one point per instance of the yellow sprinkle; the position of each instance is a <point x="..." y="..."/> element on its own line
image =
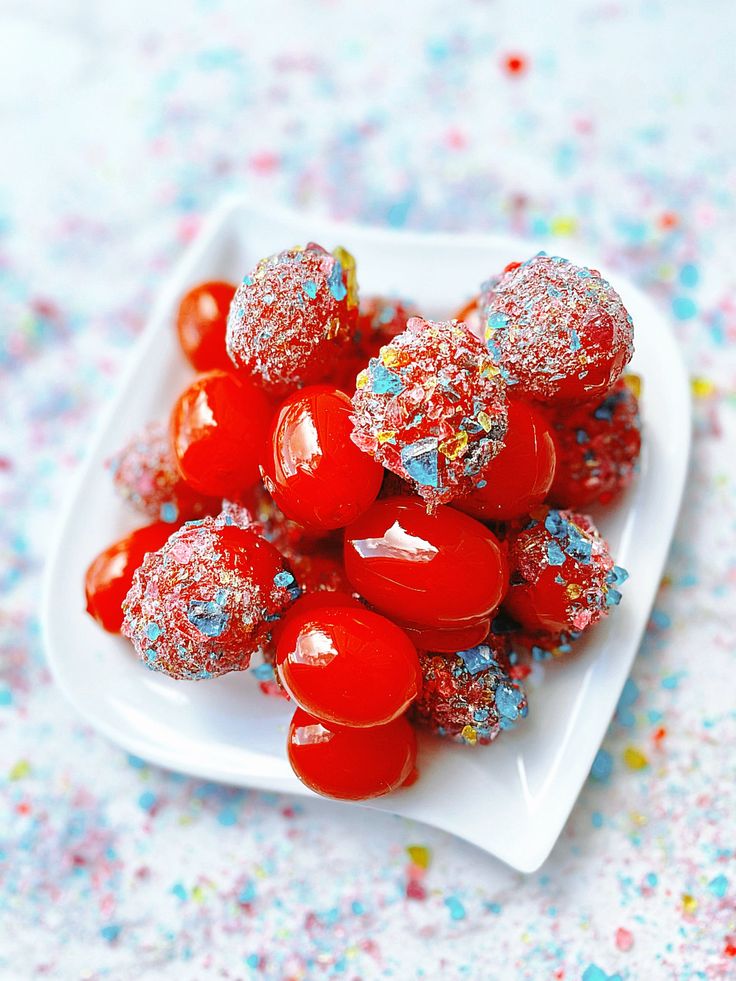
<point x="638" y="819"/>
<point x="454" y="446"/>
<point x="635" y="759"/>
<point x="362" y="380"/>
<point x="392" y="357"/>
<point x="485" y="421"/>
<point x="260" y="872"/>
<point x="21" y="769"/>
<point x="633" y="383"/>
<point x="347" y="262"/>
<point x="385" y="435"/>
<point x="573" y="590"/>
<point x="689" y="903"/>
<point x="470" y="735"/>
<point x="352" y="952"/>
<point x="198" y="894"/>
<point x="702" y="388"/>
<point x="420" y="855"/>
<point x="564" y="225"/>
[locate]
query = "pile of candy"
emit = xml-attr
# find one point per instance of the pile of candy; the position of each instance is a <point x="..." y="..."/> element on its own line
<point x="382" y="509"/>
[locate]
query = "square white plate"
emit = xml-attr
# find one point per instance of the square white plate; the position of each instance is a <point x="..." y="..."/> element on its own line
<point x="512" y="798"/>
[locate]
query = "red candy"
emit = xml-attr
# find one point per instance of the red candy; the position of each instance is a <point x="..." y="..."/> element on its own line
<point x="292" y="317"/>
<point x="218" y="426"/>
<point x="562" y="574"/>
<point x="348" y="666"/>
<point x="380" y="319"/>
<point x="519" y="477"/>
<point x="470" y="697"/>
<point x="351" y="764"/>
<point x="450" y="640"/>
<point x="146" y="475"/>
<point x="310" y="466"/>
<point x="598" y="446"/>
<point x="432" y="409"/>
<point x="201" y="605"/>
<point x="557" y="331"/>
<point x="441" y="570"/>
<point x="201" y="324"/>
<point x="110" y="574"/>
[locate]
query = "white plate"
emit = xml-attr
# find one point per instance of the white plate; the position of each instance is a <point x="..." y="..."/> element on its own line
<point x="511" y="799"/>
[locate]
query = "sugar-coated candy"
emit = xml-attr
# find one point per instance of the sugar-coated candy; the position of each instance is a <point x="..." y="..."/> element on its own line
<point x="310" y="465"/>
<point x="218" y="425"/>
<point x="541" y="645"/>
<point x="563" y="577"/>
<point x="145" y="474"/>
<point x="347" y="665"/>
<point x="598" y="447"/>
<point x="556" y="330"/>
<point x="470" y="696"/>
<point x="201" y="323"/>
<point x="432" y="409"/>
<point x="293" y="316"/>
<point x="110" y="574"/>
<point x="443" y="569"/>
<point x="520" y="475"/>
<point x="200" y="606"/>
<point x="351" y="764"/>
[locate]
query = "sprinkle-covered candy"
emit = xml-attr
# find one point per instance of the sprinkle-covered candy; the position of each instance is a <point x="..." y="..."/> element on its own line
<point x="563" y="577"/>
<point x="200" y="606"/>
<point x="145" y="475"/>
<point x="470" y="696"/>
<point x="556" y="330"/>
<point x="598" y="447"/>
<point x="432" y="409"/>
<point x="293" y="315"/>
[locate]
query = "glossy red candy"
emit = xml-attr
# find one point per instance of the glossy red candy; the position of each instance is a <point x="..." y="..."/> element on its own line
<point x="519" y="477"/>
<point x="425" y="570"/>
<point x="311" y="467"/>
<point x="201" y="324"/>
<point x="563" y="576"/>
<point x="110" y="575"/>
<point x="308" y="603"/>
<point x="348" y="666"/>
<point x="451" y="640"/>
<point x="218" y="425"/>
<point x="351" y="764"/>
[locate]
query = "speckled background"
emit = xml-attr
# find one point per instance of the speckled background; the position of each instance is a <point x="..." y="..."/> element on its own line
<point x="605" y="122"/>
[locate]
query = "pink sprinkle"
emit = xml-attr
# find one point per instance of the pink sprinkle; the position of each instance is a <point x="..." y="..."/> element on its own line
<point x="624" y="939"/>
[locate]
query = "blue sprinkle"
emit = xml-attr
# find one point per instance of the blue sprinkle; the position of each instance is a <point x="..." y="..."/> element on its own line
<point x="147" y="801"/>
<point x="169" y="512"/>
<point x="357" y="907"/>
<point x="227" y="817"/>
<point x="208" y="617"/>
<point x="335" y="283"/>
<point x="310" y="288"/>
<point x="383" y="381"/>
<point x="508" y="700"/>
<point x="684" y="308"/>
<point x="179" y="891"/>
<point x="247" y="280"/>
<point x="247" y="894"/>
<point x="652" y="879"/>
<point x="263" y="672"/>
<point x="602" y="766"/>
<point x="111" y="932"/>
<point x="718" y="886"/>
<point x="596" y="819"/>
<point x="153" y="631"/>
<point x="456" y="908"/>
<point x="497" y="320"/>
<point x="493" y="908"/>
<point x="253" y="960"/>
<point x="660" y="619"/>
<point x="283" y="578"/>
<point x="478" y="658"/>
<point x="689" y="275"/>
<point x="574" y="341"/>
<point x="6" y="696"/>
<point x="420" y="462"/>
<point x="594" y="973"/>
<point x="555" y="555"/>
